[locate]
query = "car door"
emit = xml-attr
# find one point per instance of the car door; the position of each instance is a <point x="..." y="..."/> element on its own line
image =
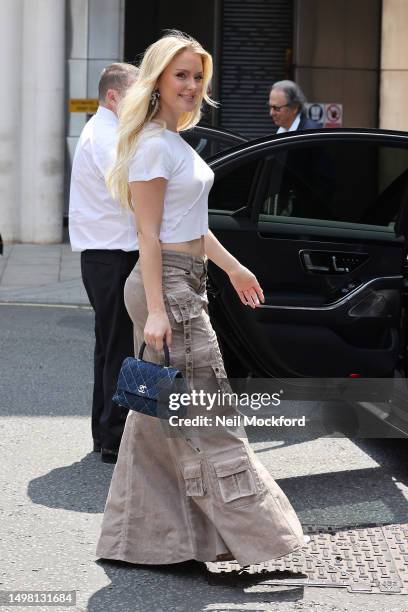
<point x="313" y="216"/>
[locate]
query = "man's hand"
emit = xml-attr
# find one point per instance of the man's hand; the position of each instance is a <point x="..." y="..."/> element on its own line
<point x="247" y="286"/>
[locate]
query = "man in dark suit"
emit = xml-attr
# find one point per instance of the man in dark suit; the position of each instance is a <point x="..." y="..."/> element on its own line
<point x="287" y="107"/>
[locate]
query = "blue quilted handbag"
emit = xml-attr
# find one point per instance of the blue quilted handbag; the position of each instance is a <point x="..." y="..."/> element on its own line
<point x="145" y="387"/>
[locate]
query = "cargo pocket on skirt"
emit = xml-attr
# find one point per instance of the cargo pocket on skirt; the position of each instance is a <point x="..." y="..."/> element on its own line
<point x="193" y="480"/>
<point x="184" y="305"/>
<point x="184" y="308"/>
<point x="235" y="481"/>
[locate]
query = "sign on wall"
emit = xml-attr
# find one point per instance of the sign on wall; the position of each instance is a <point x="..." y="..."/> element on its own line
<point x="326" y="115"/>
<point x="83" y="105"/>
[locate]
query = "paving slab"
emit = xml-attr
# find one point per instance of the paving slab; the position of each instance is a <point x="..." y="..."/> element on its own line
<point x="41" y="274"/>
<point x="69" y="292"/>
<point x="28" y="278"/>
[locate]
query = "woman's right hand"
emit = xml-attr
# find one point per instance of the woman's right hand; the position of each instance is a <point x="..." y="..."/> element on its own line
<point x="156" y="329"/>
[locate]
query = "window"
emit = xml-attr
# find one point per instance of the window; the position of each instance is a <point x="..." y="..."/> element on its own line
<point x="349" y="182"/>
<point x="207" y="144"/>
<point x="233" y="191"/>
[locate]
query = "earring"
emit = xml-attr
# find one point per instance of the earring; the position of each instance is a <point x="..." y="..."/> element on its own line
<point x="155" y="96"/>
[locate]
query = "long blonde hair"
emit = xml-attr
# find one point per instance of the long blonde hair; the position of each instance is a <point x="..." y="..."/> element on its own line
<point x="137" y="107"/>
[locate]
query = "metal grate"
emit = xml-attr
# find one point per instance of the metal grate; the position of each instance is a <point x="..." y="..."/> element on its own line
<point x="256" y="43"/>
<point x="368" y="560"/>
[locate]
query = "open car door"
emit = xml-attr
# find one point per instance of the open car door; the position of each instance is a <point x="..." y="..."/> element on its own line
<point x="313" y="215"/>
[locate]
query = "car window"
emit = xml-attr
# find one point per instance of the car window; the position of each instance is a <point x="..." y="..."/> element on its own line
<point x="208" y="143"/>
<point x="233" y="190"/>
<point x="353" y="182"/>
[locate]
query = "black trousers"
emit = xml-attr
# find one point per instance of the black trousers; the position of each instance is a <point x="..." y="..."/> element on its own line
<point x="104" y="274"/>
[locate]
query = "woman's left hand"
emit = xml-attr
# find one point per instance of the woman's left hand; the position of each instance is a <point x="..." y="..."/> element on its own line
<point x="246" y="285"/>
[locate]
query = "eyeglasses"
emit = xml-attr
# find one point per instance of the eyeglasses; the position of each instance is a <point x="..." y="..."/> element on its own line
<point x="278" y="108"/>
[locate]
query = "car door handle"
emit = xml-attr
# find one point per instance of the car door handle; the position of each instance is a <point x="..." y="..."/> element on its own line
<point x="338" y="268"/>
<point x="326" y="262"/>
<point x="309" y="265"/>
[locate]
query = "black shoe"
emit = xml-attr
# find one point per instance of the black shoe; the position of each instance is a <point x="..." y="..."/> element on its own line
<point x="96" y="447"/>
<point x="108" y="455"/>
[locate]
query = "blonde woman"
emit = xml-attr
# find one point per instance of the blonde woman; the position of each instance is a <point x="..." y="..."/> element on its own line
<point x="177" y="495"/>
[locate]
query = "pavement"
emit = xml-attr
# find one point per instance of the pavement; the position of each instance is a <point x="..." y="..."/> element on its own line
<point x="53" y="487"/>
<point x="41" y="274"/>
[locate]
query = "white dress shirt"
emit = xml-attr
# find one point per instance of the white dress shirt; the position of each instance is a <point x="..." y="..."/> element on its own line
<point x="96" y="221"/>
<point x="292" y="128"/>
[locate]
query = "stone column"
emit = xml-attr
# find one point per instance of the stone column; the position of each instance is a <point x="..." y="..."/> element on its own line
<point x="10" y="62"/>
<point x="394" y="65"/>
<point x="42" y="128"/>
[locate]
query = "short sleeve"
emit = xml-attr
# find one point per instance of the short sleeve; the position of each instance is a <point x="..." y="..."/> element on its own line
<point x="152" y="159"/>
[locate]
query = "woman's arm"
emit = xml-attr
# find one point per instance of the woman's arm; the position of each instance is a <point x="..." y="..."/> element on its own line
<point x="148" y="199"/>
<point x="242" y="279"/>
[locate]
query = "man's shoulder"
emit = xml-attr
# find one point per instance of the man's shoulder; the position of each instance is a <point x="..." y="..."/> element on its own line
<point x="87" y="131"/>
<point x="99" y="124"/>
<point x="307" y="124"/>
<point x="98" y="134"/>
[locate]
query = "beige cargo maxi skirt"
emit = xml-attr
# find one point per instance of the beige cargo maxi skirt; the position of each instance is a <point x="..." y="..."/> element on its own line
<point x="180" y="493"/>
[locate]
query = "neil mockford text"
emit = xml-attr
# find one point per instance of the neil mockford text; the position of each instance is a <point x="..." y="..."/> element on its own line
<point x="237" y="420"/>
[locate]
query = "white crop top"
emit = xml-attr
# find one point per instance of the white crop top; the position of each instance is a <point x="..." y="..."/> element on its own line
<point x="162" y="153"/>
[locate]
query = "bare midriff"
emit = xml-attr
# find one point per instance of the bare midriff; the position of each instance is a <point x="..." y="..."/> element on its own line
<point x="191" y="247"/>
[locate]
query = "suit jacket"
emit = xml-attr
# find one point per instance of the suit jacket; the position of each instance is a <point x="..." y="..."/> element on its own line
<point x="306" y="123"/>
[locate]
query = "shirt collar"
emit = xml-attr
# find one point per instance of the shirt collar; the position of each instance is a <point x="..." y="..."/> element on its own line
<point x="107" y="114"/>
<point x="292" y="128"/>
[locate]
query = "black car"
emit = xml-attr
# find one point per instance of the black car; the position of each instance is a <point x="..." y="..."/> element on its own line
<point x="321" y="218"/>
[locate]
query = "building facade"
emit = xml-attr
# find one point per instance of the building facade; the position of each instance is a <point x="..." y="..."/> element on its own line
<point x="348" y="51"/>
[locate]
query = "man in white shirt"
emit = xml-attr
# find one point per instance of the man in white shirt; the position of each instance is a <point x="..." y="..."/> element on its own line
<point x="106" y="236"/>
<point x="287" y="107"/>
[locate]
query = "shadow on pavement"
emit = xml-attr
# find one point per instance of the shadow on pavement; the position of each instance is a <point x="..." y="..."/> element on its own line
<point x="176" y="587"/>
<point x="390" y="452"/>
<point x="80" y="487"/>
<point x="350" y="497"/>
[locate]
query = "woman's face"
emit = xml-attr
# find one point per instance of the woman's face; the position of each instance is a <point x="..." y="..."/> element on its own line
<point x="181" y="83"/>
